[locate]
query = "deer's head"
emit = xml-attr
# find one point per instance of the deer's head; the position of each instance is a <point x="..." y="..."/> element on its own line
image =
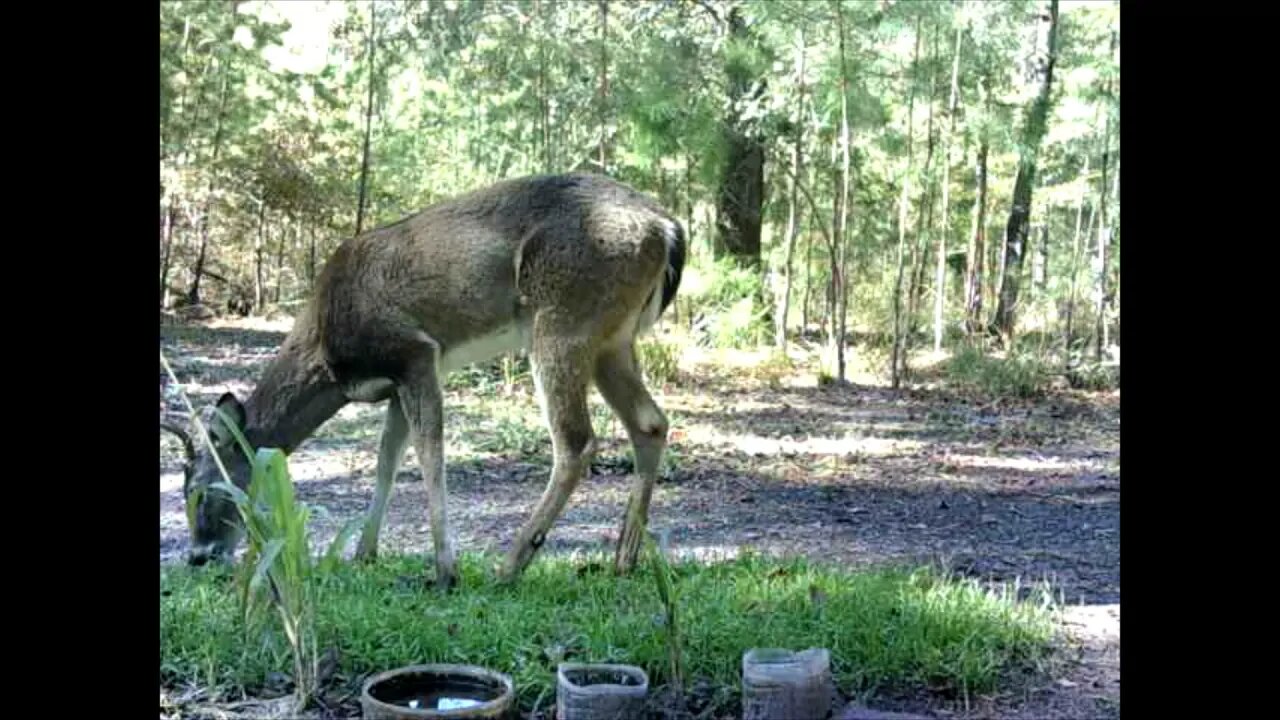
<point x="214" y="521"/>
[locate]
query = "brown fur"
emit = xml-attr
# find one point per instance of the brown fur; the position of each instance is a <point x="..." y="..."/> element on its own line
<point x="570" y="267"/>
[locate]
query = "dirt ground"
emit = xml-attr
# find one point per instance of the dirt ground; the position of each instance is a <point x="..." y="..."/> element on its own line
<point x="1002" y="491"/>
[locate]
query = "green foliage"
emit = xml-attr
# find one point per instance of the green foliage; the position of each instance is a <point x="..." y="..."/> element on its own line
<point x="278" y="571"/>
<point x="884" y="628"/>
<point x="659" y="360"/>
<point x="1095" y="376"/>
<point x="664" y="582"/>
<point x="1021" y="374"/>
<point x="727" y="296"/>
<point x="262" y="117"/>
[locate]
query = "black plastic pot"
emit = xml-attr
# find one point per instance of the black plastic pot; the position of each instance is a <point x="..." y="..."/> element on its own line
<point x="439" y="691"/>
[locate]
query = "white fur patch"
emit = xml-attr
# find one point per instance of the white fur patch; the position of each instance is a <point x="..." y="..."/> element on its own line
<point x="485" y="347"/>
<point x="369" y="390"/>
<point x="649" y="314"/>
<point x="648" y="418"/>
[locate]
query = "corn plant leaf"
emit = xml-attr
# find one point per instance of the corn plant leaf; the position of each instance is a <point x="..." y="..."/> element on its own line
<point x="235" y="432"/>
<point x="334" y="554"/>
<point x="239" y="496"/>
<point x="265" y="562"/>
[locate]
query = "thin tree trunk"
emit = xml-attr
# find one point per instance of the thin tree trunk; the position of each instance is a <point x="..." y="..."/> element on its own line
<point x="895" y="364"/>
<point x="311" y="258"/>
<point x="793" y="227"/>
<point x="1104" y="239"/>
<point x="918" y="272"/>
<point x="544" y="101"/>
<point x="166" y="237"/>
<point x="1100" y="270"/>
<point x="924" y="216"/>
<point x="977" y="237"/>
<point x="603" y="6"/>
<point x="1113" y="245"/>
<point x="258" y="245"/>
<point x="1075" y="256"/>
<point x="940" y="278"/>
<point x="1040" y="269"/>
<point x="808" y="265"/>
<point x="368" y="121"/>
<point x="688" y="190"/>
<point x="193" y="296"/>
<point x="279" y="273"/>
<point x="842" y="239"/>
<point x="1020" y="213"/>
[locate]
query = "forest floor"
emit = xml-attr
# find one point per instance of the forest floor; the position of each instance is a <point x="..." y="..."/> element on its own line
<point x="1002" y="490"/>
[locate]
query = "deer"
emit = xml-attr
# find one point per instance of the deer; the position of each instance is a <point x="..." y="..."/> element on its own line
<point x="570" y="268"/>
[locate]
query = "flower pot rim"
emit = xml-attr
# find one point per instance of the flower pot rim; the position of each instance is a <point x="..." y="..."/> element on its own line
<point x="631" y="670"/>
<point x="505" y="696"/>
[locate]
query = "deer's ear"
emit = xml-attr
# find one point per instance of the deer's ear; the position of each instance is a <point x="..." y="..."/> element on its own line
<point x="229" y="405"/>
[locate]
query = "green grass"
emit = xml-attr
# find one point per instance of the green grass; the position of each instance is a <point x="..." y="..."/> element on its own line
<point x="884" y="629"/>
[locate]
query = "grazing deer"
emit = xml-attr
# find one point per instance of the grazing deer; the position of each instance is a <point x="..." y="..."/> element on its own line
<point x="571" y="268"/>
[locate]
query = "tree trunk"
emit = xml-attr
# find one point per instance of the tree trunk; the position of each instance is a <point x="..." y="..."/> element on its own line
<point x="311" y="260"/>
<point x="793" y="227"/>
<point x="1113" y="235"/>
<point x="895" y="361"/>
<point x="833" y="252"/>
<point x="688" y="191"/>
<point x="279" y="273"/>
<point x="918" y="271"/>
<point x="1075" y="257"/>
<point x="1020" y="212"/>
<point x="842" y="240"/>
<point x="924" y="216"/>
<point x="544" y="105"/>
<point x="977" y="236"/>
<point x="1104" y="239"/>
<point x="741" y="195"/>
<point x="940" y="278"/>
<point x="808" y="268"/>
<point x="258" y="245"/>
<point x="193" y="296"/>
<point x="368" y="122"/>
<point x="166" y="238"/>
<point x="1040" y="268"/>
<point x="603" y="6"/>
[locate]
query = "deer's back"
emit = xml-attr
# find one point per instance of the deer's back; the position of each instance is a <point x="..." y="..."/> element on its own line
<point x="450" y="271"/>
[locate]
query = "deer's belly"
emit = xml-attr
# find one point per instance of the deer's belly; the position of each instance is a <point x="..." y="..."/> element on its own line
<point x="481" y="348"/>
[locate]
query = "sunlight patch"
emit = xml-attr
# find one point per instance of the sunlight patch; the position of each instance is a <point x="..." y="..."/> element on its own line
<point x="1020" y="463"/>
<point x="758" y="445"/>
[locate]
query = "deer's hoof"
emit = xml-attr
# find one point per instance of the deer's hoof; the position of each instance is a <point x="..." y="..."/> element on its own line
<point x="443" y="584"/>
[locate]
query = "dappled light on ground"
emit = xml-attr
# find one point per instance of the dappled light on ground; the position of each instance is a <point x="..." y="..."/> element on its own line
<point x="861" y="476"/>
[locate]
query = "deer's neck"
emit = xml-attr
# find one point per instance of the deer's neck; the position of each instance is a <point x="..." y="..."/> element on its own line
<point x="294" y="397"/>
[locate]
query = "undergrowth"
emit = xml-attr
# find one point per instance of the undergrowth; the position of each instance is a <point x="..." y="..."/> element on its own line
<point x="1020" y="374"/>
<point x="884" y="628"/>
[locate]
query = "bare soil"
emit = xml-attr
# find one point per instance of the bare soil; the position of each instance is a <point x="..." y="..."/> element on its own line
<point x="859" y="474"/>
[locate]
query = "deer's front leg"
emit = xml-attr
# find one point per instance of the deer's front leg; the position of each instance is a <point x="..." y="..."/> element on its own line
<point x="420" y="398"/>
<point x="395" y="437"/>
<point x="561" y="373"/>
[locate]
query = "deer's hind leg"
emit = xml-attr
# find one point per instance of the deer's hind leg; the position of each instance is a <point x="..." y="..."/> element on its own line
<point x="618" y="379"/>
<point x="561" y="356"/>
